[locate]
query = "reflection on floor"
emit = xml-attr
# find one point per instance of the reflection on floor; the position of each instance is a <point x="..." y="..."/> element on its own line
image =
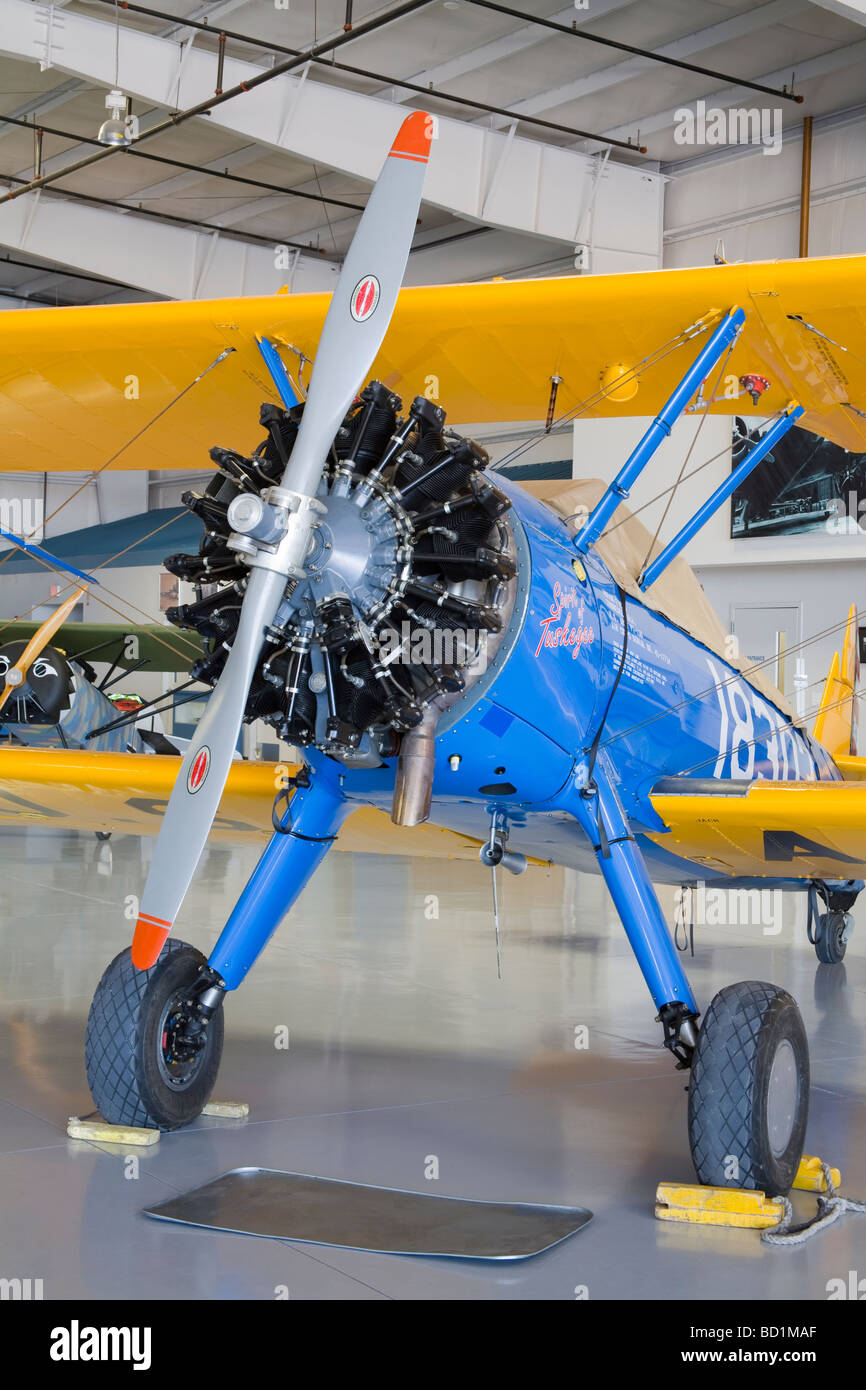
<point x="403" y="1046"/>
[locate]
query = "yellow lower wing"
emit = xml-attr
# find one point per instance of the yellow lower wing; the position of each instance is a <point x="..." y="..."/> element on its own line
<point x="775" y="830"/>
<point x="126" y="793"/>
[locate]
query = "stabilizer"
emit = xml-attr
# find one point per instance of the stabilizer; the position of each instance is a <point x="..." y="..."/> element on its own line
<point x="836" y="721"/>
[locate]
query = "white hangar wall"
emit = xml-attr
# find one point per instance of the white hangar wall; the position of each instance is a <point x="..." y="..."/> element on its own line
<point x="751" y="200"/>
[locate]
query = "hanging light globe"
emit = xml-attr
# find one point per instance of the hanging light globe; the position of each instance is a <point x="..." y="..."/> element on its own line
<point x="116" y="129"/>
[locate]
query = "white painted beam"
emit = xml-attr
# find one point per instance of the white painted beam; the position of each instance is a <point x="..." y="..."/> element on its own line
<point x="855" y="10"/>
<point x="58" y="96"/>
<point x="157" y="257"/>
<point x="539" y="189"/>
<point x="528" y="36"/>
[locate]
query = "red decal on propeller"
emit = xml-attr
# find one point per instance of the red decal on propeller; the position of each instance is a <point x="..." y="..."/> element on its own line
<point x="365" y="297"/>
<point x="199" y="770"/>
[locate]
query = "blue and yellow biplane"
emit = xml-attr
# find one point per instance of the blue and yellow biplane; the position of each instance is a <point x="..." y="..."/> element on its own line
<point x="467" y="666"/>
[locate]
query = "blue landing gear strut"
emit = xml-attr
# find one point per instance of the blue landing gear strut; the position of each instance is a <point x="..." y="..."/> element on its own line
<point x="749" y="1082"/>
<point x="308" y="829"/>
<point x="154" y="1037"/>
<point x="596" y="807"/>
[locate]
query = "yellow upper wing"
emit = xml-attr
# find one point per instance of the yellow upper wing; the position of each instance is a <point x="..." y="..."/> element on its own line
<point x="77" y="384"/>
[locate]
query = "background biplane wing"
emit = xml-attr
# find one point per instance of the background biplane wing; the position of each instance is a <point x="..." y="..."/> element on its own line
<point x="78" y="384"/>
<point x="836" y="724"/>
<point x="162" y="648"/>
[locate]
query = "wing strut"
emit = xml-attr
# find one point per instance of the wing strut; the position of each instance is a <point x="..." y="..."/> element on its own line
<point x="719" y="341"/>
<point x="790" y="416"/>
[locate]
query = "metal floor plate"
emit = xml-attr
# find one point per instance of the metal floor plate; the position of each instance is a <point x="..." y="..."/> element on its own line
<point x="355" y="1216"/>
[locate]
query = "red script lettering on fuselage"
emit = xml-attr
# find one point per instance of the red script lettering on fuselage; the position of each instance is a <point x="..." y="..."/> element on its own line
<point x="559" y="630"/>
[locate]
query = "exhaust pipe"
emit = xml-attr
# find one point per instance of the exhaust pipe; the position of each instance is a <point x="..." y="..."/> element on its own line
<point x="413" y="788"/>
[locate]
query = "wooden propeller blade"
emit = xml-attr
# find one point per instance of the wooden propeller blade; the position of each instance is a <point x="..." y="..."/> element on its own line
<point x="37" y="642"/>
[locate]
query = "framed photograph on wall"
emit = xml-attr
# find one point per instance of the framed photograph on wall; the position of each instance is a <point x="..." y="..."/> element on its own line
<point x="804" y="484"/>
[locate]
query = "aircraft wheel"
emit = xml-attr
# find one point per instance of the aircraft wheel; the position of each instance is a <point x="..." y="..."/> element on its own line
<point x="831" y="936"/>
<point x="139" y="1069"/>
<point x="749" y="1090"/>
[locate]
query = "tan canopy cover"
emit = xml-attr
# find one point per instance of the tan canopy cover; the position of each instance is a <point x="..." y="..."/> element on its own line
<point x="677" y="594"/>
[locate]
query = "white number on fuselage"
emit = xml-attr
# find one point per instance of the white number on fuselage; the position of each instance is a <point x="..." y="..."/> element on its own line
<point x="741" y="709"/>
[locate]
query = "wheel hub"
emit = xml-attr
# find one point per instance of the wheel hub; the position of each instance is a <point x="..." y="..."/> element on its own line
<point x="178" y="1054"/>
<point x="782" y="1098"/>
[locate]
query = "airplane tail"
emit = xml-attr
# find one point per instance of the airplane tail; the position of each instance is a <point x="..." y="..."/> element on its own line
<point x="836" y="721"/>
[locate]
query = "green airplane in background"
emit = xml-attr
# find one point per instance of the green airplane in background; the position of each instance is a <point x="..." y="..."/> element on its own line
<point x="51" y="698"/>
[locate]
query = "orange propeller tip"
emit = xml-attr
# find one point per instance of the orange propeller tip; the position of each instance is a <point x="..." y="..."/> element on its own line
<point x="148" y="941"/>
<point x="414" y="136"/>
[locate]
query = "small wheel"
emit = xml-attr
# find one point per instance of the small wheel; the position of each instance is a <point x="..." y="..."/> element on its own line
<point x="749" y="1090"/>
<point x="831" y="936"/>
<point x="140" y="1069"/>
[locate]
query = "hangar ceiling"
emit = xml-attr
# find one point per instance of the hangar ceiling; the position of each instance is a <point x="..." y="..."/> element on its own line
<point x="288" y="164"/>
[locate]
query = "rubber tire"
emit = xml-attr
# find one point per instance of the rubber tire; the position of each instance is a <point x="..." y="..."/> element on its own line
<point x="829" y="949"/>
<point x="737" y="1043"/>
<point x="121" y="1045"/>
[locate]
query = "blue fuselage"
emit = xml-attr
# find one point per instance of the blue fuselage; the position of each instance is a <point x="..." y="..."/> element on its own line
<point x="518" y="732"/>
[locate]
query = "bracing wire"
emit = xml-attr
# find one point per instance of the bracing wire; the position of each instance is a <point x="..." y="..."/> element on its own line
<point x="221" y="357"/>
<point x="685" y="462"/>
<point x="119" y="597"/>
<point x="762" y="738"/>
<point x="652" y="359"/>
<point x="737" y="675"/>
<point x="91" y="477"/>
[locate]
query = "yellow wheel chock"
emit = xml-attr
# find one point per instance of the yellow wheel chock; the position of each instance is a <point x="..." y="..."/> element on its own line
<point x="716" y="1206"/>
<point x="227" y="1109"/>
<point x="810" y="1175"/>
<point x="737" y="1206"/>
<point x="99" y="1131"/>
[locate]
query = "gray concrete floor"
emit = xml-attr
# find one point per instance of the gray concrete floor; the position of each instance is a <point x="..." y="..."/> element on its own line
<point x="403" y="1045"/>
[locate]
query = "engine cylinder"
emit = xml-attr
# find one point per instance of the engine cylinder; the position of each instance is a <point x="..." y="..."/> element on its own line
<point x="410" y="568"/>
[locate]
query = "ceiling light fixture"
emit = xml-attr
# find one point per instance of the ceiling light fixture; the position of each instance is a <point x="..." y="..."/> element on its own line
<point x="120" y="127"/>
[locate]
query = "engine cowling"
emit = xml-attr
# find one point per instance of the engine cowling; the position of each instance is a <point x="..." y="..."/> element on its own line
<point x="410" y="571"/>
